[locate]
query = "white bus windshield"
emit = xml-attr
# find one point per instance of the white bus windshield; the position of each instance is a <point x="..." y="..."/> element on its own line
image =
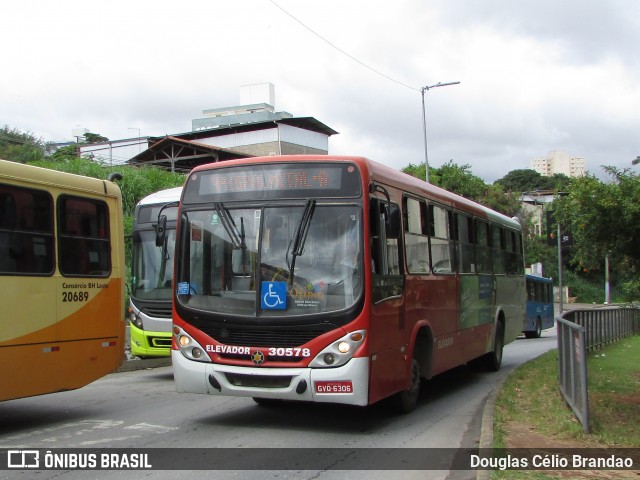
<point x="152" y="266"/>
<point x="274" y="261"/>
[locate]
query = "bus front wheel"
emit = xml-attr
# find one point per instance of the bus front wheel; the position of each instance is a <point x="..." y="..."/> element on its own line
<point x="407" y="400"/>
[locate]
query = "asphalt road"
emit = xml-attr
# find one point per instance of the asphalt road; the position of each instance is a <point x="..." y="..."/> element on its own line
<point x="139" y="409"/>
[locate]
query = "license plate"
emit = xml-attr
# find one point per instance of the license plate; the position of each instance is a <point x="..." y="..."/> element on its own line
<point x="344" y="386"/>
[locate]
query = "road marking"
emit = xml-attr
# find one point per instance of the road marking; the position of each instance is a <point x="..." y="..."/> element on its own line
<point x="147" y="427"/>
<point x="58" y="433"/>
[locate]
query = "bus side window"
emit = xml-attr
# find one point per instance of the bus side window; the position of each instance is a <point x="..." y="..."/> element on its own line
<point x="466" y="250"/>
<point x="83" y="229"/>
<point x="385" y="257"/>
<point x="441" y="245"/>
<point x="519" y="254"/>
<point x="498" y="252"/>
<point x="26" y="231"/>
<point x="483" y="251"/>
<point x="385" y="250"/>
<point x="531" y="291"/>
<point x="510" y="253"/>
<point x="416" y="236"/>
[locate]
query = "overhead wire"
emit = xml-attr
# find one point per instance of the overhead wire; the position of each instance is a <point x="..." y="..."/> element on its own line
<point x="344" y="52"/>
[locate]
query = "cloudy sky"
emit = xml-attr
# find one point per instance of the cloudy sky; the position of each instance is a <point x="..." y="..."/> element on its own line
<point x="535" y="76"/>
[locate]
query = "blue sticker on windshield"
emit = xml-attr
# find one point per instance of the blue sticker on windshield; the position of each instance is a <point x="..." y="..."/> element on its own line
<point x="183" y="288"/>
<point x="273" y="296"/>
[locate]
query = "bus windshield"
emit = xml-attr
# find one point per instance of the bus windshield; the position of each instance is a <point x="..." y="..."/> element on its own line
<point x="152" y="266"/>
<point x="271" y="261"/>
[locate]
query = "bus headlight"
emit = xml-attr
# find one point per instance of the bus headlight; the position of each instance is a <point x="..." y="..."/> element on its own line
<point x="339" y="352"/>
<point x="197" y="353"/>
<point x="135" y="320"/>
<point x="188" y="346"/>
<point x="329" y="358"/>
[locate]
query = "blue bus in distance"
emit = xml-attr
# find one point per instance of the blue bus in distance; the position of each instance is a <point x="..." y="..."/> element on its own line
<point x="539" y="311"/>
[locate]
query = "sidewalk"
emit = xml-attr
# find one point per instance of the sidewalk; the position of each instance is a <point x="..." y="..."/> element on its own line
<point x="131" y="362"/>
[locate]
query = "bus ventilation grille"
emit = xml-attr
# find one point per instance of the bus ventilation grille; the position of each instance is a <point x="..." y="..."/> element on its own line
<point x="158" y="312"/>
<point x="263" y="337"/>
<point x="258" y="381"/>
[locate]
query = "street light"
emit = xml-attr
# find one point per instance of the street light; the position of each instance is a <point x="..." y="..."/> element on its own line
<point x="424" y="123"/>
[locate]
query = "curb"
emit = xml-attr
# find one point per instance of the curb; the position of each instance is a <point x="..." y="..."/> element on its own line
<point x="132" y="363"/>
<point x="486" y="428"/>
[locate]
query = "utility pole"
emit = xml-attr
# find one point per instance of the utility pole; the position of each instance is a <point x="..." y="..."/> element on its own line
<point x="424" y="123"/>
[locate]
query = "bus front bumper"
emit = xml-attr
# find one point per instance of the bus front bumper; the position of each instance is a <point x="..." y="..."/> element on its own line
<point x="347" y="384"/>
<point x="149" y="344"/>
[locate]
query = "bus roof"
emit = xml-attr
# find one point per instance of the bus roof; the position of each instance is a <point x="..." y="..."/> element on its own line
<point x="383" y="175"/>
<point x="54" y="178"/>
<point x="537" y="278"/>
<point x="162" y="196"/>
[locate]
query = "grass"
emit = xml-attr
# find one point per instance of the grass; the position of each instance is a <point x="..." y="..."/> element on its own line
<point x="531" y="412"/>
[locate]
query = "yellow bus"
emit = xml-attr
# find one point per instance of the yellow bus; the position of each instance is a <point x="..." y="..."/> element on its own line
<point x="61" y="280"/>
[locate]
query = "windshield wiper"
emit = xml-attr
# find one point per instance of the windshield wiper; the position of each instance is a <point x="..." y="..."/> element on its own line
<point x="237" y="236"/>
<point x="301" y="236"/>
<point x="229" y="225"/>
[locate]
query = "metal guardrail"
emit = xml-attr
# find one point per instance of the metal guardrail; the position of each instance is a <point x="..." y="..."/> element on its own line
<point x="585" y="330"/>
<point x="605" y="325"/>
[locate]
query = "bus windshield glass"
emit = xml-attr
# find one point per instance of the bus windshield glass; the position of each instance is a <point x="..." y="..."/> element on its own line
<point x="271" y="261"/>
<point x="152" y="265"/>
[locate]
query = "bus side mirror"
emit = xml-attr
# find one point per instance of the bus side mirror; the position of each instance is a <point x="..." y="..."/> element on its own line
<point x="161" y="229"/>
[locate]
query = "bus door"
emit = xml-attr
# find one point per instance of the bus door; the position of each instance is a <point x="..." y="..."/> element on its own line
<point x="86" y="288"/>
<point x="387" y="344"/>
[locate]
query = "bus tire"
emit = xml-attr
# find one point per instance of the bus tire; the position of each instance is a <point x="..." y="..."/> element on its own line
<point x="538" y="327"/>
<point x="407" y="400"/>
<point x="493" y="359"/>
<point x="537" y="332"/>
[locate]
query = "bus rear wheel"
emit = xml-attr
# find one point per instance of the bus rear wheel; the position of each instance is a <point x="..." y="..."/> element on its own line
<point x="407" y="400"/>
<point x="493" y="359"/>
<point x="537" y="332"/>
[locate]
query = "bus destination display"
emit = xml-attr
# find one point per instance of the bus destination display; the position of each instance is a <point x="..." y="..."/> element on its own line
<point x="277" y="181"/>
<point x="253" y="181"/>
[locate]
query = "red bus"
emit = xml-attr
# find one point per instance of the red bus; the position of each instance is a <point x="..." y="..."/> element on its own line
<point x="336" y="279"/>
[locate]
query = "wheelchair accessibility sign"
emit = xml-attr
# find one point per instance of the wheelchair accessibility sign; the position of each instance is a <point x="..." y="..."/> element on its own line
<point x="273" y="296"/>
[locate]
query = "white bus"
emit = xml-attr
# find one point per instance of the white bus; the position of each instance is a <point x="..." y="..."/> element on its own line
<point x="151" y="275"/>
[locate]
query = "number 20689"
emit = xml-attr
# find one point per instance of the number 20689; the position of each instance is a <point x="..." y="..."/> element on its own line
<point x="75" y="296"/>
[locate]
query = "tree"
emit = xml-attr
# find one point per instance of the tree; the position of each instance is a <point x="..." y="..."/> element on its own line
<point x="94" y="138"/>
<point x="604" y="220"/>
<point x="527" y="180"/>
<point x="507" y="203"/>
<point x="460" y="180"/>
<point x="452" y="177"/>
<point x="523" y="180"/>
<point x="19" y="146"/>
<point x="603" y="217"/>
<point x="417" y="171"/>
<point x="67" y="152"/>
